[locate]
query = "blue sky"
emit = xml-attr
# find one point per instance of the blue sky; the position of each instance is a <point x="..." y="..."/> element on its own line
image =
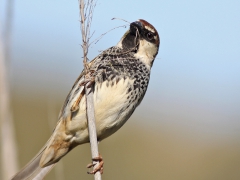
<point x="196" y="76"/>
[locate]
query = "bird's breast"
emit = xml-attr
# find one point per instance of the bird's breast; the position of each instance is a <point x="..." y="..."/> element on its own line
<point x="116" y="96"/>
<point x="112" y="106"/>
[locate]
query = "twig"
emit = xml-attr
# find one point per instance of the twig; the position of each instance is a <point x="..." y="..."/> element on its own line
<point x="84" y="42"/>
<point x="121" y="20"/>
<point x="89" y="88"/>
<point x="92" y="129"/>
<point x="100" y="37"/>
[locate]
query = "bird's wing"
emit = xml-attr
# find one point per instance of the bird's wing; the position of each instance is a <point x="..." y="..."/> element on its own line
<point x="75" y="95"/>
<point x="61" y="142"/>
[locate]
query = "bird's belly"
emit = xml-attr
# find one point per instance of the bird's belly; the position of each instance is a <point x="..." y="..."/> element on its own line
<point x="112" y="107"/>
<point x="112" y="110"/>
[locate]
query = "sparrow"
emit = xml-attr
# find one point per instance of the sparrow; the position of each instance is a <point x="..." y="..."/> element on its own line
<point x="120" y="79"/>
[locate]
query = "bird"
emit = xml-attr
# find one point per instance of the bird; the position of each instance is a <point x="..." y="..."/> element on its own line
<point x="120" y="77"/>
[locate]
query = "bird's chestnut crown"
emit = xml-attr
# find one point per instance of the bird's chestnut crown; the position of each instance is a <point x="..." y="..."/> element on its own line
<point x="145" y="31"/>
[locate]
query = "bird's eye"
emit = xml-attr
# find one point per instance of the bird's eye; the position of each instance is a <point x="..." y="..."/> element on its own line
<point x="149" y="36"/>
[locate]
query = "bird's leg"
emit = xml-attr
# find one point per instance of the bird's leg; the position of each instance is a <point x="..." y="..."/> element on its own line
<point x="99" y="167"/>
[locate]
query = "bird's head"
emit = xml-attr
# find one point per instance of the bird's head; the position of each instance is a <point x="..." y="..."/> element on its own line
<point x="142" y="38"/>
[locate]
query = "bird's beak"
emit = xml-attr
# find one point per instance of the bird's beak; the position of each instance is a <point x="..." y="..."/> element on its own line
<point x="137" y="25"/>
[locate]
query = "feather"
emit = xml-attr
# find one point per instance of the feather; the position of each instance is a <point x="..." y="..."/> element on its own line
<point x="32" y="170"/>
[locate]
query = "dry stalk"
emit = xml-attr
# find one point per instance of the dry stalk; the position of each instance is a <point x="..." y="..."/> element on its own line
<point x="86" y="14"/>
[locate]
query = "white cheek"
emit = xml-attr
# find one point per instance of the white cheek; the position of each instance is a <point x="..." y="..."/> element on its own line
<point x="146" y="52"/>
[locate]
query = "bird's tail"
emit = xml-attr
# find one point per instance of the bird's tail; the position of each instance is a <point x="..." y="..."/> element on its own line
<point x="55" y="148"/>
<point x="32" y="169"/>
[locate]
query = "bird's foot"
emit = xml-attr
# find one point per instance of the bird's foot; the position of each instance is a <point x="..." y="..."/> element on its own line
<point x="99" y="166"/>
<point x="89" y="79"/>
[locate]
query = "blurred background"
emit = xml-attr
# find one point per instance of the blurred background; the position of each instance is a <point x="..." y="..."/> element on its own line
<point x="188" y="125"/>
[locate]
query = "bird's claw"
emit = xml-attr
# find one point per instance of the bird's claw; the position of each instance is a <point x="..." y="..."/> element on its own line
<point x="89" y="78"/>
<point x="99" y="166"/>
